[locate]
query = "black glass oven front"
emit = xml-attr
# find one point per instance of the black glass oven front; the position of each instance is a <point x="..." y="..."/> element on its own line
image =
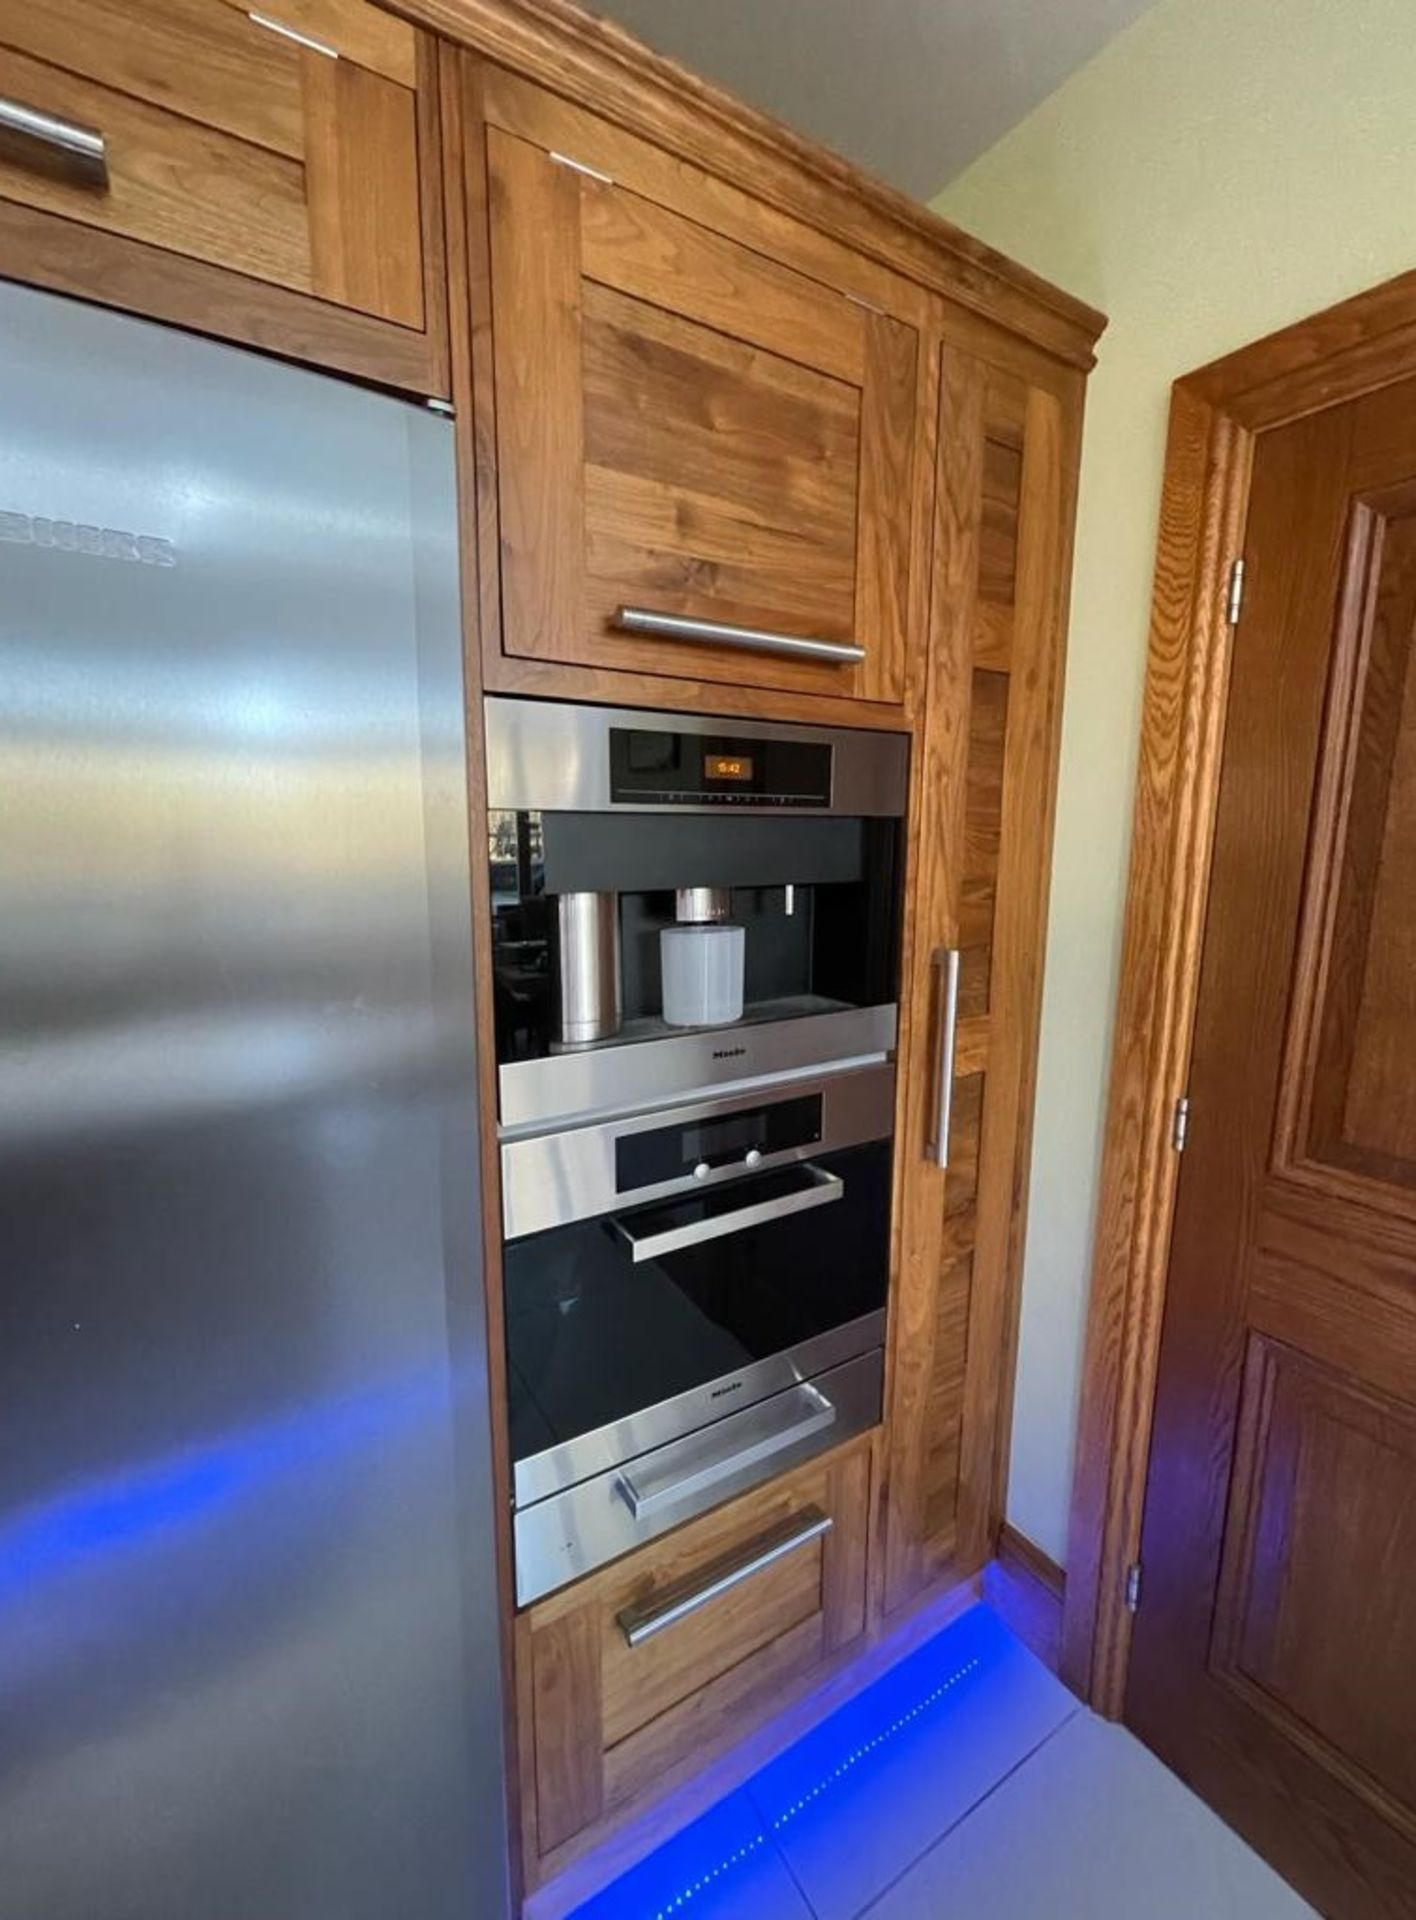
<point x="610" y="1316"/>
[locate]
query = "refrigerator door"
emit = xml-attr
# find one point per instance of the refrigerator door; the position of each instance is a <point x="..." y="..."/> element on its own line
<point x="249" y="1657"/>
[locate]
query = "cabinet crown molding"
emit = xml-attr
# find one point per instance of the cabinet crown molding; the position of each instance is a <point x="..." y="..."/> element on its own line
<point x="600" y="65"/>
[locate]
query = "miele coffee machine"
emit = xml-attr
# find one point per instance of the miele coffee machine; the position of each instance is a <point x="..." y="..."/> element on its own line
<point x="696" y="928"/>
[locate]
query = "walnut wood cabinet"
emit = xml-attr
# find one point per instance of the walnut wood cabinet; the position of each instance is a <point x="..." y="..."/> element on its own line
<point x="699" y="413"/>
<point x="981" y="837"/>
<point x="702" y="369"/>
<point x="296" y="148"/>
<point x="641" y="1673"/>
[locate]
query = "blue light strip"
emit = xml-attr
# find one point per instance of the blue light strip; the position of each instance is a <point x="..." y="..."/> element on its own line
<point x="867" y="1747"/>
<point x="636" y="1896"/>
<point x="706" y="1879"/>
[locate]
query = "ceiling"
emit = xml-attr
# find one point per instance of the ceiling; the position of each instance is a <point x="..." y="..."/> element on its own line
<point x="911" y="89"/>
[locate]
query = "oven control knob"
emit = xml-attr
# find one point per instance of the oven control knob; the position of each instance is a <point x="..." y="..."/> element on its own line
<point x="702" y="1170"/>
<point x="753" y="1157"/>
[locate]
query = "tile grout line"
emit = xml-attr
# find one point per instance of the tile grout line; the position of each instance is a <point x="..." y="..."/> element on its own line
<point x="968" y="1813"/>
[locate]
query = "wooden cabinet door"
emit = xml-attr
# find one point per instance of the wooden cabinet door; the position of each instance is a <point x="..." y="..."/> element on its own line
<point x="635" y="1677"/>
<point x="980" y="844"/>
<point x="1274" y="1659"/>
<point x="284" y="148"/>
<point x="686" y="423"/>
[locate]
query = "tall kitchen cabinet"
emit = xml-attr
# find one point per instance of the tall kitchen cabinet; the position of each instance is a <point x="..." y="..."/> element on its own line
<point x="1009" y="432"/>
<point x="716" y="376"/>
<point x="740" y="432"/>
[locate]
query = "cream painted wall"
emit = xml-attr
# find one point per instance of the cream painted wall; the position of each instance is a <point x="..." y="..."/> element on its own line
<point x="1222" y="168"/>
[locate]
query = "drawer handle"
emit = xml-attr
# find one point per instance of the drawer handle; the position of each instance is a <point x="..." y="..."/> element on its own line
<point x="678" y="626"/>
<point x="946" y="962"/>
<point x="807" y="1411"/>
<point x="639" y="1624"/>
<point x="820" y="1190"/>
<point x="84" y="147"/>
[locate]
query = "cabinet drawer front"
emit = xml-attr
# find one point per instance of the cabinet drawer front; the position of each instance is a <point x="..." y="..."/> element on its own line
<point x="690" y="428"/>
<point x="676" y="1649"/>
<point x="228" y="142"/>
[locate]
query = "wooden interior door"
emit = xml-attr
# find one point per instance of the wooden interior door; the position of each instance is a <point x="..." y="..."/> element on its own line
<point x="1274" y="1661"/>
<point x="686" y="422"/>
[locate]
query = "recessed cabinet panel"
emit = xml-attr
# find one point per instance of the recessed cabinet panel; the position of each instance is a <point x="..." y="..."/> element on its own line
<point x="984" y="815"/>
<point x="228" y="142"/>
<point x="640" y="1673"/>
<point x="690" y="428"/>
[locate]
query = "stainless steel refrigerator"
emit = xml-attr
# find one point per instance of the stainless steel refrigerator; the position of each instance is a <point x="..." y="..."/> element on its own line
<point x="248" y="1630"/>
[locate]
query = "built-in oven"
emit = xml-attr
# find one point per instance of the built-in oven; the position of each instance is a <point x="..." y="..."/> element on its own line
<point x="696" y="952"/>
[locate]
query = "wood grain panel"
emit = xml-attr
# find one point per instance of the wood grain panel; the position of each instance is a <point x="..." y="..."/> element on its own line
<point x="998" y="549"/>
<point x="361" y="174"/>
<point x="666" y="176"/>
<point x="172" y="182"/>
<point x="563" y="48"/>
<point x="535" y="266"/>
<point x="720" y="480"/>
<point x="565" y="1678"/>
<point x="936" y="841"/>
<point x="888" y="415"/>
<point x="642" y="249"/>
<point x="636" y="1718"/>
<point x="639" y="1683"/>
<point x="195" y="57"/>
<point x="357" y="31"/>
<point x="1316" y="1619"/>
<point x="43" y="249"/>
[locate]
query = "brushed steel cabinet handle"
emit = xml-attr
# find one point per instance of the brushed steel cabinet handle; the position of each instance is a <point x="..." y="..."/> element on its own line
<point x="946" y="965"/>
<point x="84" y="147"/>
<point x="821" y="1189"/>
<point x="719" y="633"/>
<point x="641" y="1623"/>
<point x="808" y="1412"/>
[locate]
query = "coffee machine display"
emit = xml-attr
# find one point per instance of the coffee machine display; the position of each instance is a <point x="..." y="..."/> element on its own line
<point x="680" y="903"/>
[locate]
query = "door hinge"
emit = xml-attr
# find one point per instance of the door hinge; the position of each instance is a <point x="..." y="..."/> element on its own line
<point x="1180" y="1124"/>
<point x="579" y="166"/>
<point x="1133" y="1587"/>
<point x="1235" y="602"/>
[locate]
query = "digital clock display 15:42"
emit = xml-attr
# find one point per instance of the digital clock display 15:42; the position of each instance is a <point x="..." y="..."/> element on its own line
<point x="727" y="766"/>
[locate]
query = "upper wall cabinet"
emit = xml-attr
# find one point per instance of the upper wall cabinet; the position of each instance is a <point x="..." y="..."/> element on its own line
<point x="187" y="136"/>
<point x="703" y="420"/>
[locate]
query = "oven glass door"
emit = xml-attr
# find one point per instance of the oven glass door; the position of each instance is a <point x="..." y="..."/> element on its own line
<point x="614" y="1315"/>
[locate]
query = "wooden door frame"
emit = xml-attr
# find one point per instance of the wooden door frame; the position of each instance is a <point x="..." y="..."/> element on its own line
<point x="1216" y="415"/>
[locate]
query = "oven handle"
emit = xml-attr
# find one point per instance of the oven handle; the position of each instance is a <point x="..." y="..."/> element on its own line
<point x="821" y="1190"/>
<point x="810" y="1412"/>
<point x="641" y="1623"/>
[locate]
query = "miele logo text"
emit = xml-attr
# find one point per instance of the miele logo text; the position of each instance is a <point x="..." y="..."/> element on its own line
<point x="76" y="536"/>
<point x="719" y="1393"/>
<point x="729" y="1053"/>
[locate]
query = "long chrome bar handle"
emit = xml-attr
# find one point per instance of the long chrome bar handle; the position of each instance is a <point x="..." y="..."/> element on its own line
<point x="819" y="1188"/>
<point x="720" y="633"/>
<point x="84" y="146"/>
<point x="639" y="1624"/>
<point x="946" y="963"/>
<point x="786" y="1420"/>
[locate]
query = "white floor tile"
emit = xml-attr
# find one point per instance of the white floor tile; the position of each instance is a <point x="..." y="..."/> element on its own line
<point x="1091" y="1827"/>
<point x="723" y="1867"/>
<point x="867" y="1793"/>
